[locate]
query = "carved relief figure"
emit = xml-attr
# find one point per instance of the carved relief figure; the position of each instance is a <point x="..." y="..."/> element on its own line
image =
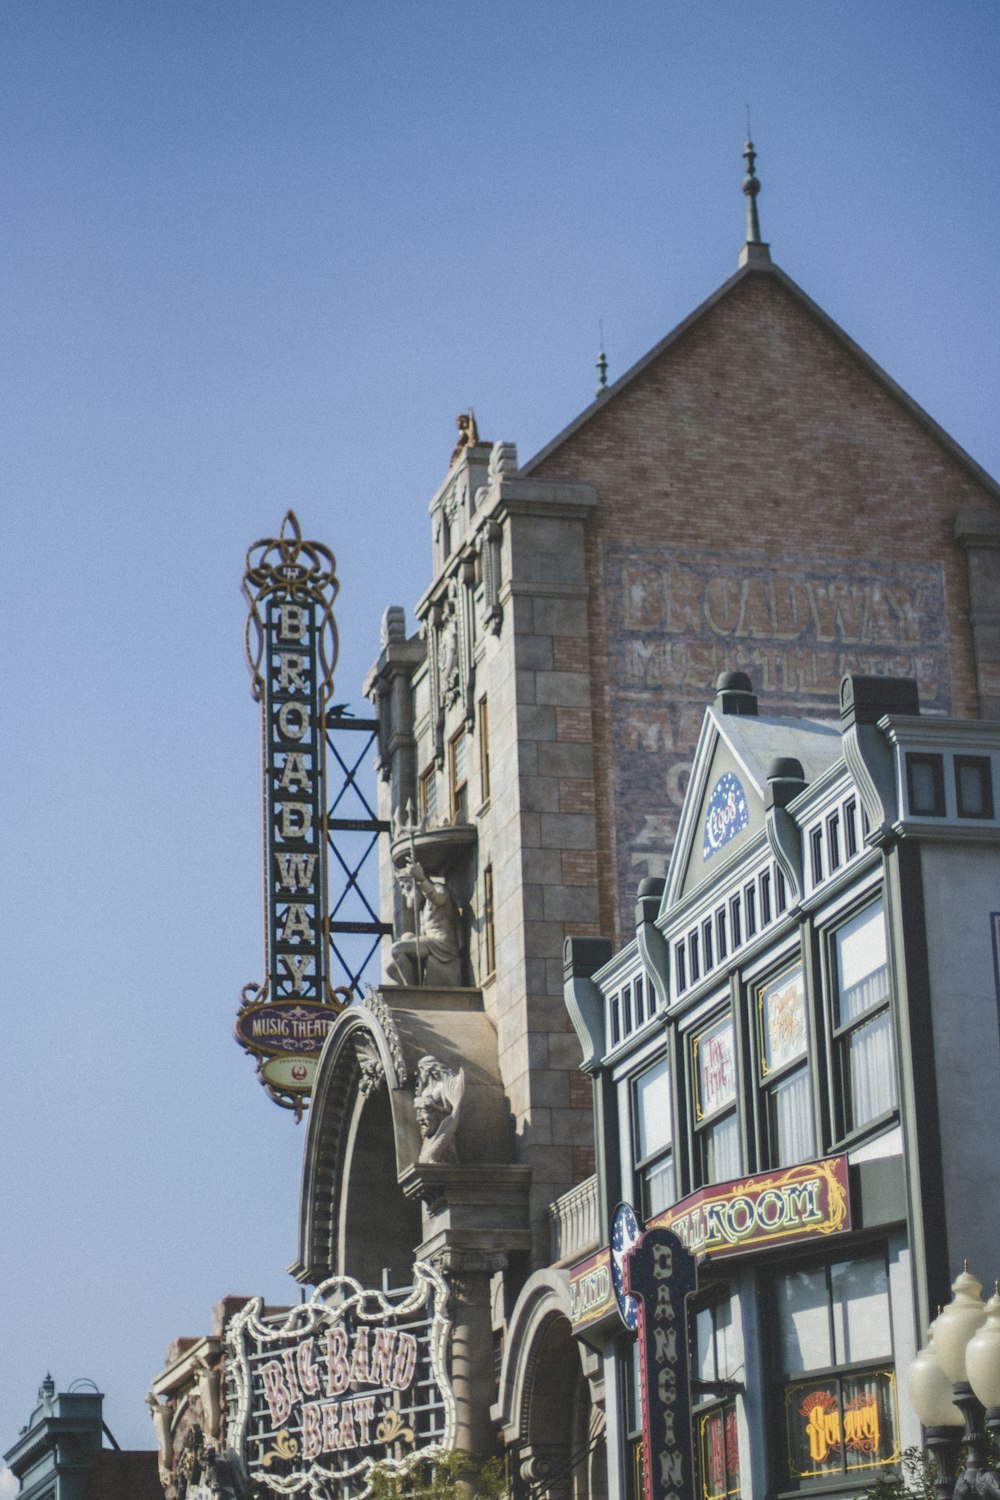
<point x="437" y="1101"/>
<point x="448" y="657"/>
<point x="432" y="955"/>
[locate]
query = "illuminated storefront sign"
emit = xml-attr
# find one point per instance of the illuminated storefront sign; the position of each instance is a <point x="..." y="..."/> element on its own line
<point x="843" y="1424"/>
<point x="797" y="1204"/>
<point x="774" y="1208"/>
<point x="291" y="645"/>
<point x="350" y="1380"/>
<point x="591" y="1293"/>
<point x="659" y="1273"/>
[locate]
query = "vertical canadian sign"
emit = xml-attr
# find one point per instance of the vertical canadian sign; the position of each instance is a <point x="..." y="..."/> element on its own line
<point x="291" y="647"/>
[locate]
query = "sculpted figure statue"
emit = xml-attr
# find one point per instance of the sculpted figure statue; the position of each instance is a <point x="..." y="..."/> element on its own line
<point x="433" y="954"/>
<point x="468" y="434"/>
<point x="438" y="1092"/>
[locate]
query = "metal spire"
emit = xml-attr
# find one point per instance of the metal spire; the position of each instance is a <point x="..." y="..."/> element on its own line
<point x="602" y="365"/>
<point x="755" y="251"/>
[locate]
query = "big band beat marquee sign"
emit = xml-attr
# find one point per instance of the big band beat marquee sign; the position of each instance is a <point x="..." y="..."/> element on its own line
<point x="291" y="647"/>
<point x="349" y="1380"/>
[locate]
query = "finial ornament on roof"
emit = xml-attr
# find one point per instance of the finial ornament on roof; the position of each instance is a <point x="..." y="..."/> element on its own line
<point x="755" y="251"/>
<point x="602" y="365"/>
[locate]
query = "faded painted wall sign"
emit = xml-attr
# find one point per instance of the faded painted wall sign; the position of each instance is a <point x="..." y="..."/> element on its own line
<point x="677" y="618"/>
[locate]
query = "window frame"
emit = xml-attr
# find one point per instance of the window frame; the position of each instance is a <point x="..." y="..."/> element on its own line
<point x="458" y="790"/>
<point x="707" y="1405"/>
<point x="919" y="760"/>
<point x="787" y="1383"/>
<point x="655" y="1160"/>
<point x="704" y="1124"/>
<point x="983" y="765"/>
<point x="427" y="793"/>
<point x="769" y="1078"/>
<point x="483" y="725"/>
<point x="845" y="1126"/>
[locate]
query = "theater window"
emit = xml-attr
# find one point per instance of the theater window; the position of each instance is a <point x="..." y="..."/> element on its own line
<point x="833" y="1335"/>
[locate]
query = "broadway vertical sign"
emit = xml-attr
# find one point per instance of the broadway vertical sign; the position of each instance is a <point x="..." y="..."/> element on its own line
<point x="291" y="645"/>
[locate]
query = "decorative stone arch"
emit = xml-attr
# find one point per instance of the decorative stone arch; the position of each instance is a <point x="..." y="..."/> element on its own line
<point x="361" y="1133"/>
<point x="550" y="1406"/>
<point x="363" y="1181"/>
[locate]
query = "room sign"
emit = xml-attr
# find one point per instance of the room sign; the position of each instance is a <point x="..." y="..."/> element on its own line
<point x="804" y="1202"/>
<point x="797" y="1204"/>
<point x="291" y="648"/>
<point x="351" y="1382"/>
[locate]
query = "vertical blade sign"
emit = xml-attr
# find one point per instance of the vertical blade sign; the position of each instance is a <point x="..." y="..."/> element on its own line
<point x="291" y="647"/>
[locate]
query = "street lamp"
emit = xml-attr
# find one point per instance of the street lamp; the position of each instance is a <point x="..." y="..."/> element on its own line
<point x="955" y="1384"/>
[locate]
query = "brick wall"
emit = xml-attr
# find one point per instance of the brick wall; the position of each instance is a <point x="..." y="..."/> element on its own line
<point x="764" y="503"/>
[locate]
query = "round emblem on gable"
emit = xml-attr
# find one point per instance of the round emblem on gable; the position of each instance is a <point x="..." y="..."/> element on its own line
<point x="726" y="815"/>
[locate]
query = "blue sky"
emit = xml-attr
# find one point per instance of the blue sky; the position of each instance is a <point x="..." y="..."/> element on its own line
<point x="257" y="254"/>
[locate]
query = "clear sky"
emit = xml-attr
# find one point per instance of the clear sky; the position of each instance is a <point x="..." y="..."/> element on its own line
<point x="258" y="254"/>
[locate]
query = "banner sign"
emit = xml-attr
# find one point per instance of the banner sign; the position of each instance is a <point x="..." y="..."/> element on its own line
<point x="810" y="1201"/>
<point x="660" y="1274"/>
<point x="291" y="646"/>
<point x="350" y="1380"/>
<point x="591" y="1292"/>
<point x="771" y="1209"/>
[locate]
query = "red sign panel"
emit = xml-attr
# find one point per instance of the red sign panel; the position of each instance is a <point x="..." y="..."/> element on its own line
<point x="773" y="1208"/>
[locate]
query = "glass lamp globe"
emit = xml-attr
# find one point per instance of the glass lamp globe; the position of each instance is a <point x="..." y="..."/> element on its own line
<point x="982" y="1357"/>
<point x="955" y="1324"/>
<point x="930" y="1391"/>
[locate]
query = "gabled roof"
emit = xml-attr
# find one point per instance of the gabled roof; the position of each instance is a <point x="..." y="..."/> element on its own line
<point x="832" y="329"/>
<point x="749" y="744"/>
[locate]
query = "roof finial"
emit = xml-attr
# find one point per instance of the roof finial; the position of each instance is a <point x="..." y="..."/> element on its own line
<point x="602" y="363"/>
<point x="755" y="251"/>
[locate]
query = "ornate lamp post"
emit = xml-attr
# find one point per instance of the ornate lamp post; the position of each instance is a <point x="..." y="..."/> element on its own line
<point x="955" y="1390"/>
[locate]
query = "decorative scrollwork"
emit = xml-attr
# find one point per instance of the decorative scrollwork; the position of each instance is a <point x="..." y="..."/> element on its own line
<point x="285" y="1448"/>
<point x="392" y="1429"/>
<point x="383" y="1015"/>
<point x="305" y="573"/>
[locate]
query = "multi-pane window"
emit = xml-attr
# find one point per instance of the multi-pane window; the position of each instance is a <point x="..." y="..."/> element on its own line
<point x="862" y="1020"/>
<point x="834" y="1348"/>
<point x="783" y="1067"/>
<point x="427" y="795"/>
<point x="654" y="1138"/>
<point x="458" y="766"/>
<point x="717" y="1131"/>
<point x="717" y="1355"/>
